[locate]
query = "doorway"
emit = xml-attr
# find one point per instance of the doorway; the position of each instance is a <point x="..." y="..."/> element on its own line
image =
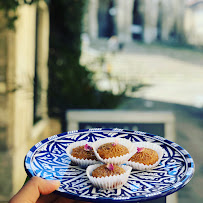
<point x="137" y="22"/>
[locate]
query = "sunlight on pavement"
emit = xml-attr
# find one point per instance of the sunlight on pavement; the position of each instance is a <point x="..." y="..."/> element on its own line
<point x="169" y="78"/>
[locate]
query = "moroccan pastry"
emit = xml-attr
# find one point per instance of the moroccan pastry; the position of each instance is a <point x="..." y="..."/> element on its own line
<point x="113" y="150"/>
<point x="84" y="152"/>
<point x="148" y="156"/>
<point x="108" y="176"/>
<point x="81" y="153"/>
<point x="109" y="150"/>
<point x="145" y="156"/>
<point x="107" y="170"/>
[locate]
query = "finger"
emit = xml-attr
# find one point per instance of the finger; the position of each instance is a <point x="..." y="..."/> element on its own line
<point x="33" y="188"/>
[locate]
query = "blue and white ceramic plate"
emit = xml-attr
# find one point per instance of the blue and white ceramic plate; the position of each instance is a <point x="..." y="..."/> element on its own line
<point x="48" y="159"/>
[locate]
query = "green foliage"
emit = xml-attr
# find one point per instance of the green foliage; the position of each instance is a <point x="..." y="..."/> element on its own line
<point x="10" y="7"/>
<point x="70" y="84"/>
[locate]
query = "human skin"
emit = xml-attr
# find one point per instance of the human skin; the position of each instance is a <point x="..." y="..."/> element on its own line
<point x="38" y="190"/>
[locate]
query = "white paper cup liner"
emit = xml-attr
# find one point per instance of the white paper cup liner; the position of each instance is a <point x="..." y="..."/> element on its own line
<point x="119" y="159"/>
<point x="140" y="166"/>
<point x="108" y="182"/>
<point x="81" y="162"/>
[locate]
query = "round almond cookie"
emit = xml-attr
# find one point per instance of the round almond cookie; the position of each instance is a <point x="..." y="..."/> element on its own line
<point x="81" y="153"/>
<point x="108" y="176"/>
<point x="113" y="150"/>
<point x="148" y="156"/>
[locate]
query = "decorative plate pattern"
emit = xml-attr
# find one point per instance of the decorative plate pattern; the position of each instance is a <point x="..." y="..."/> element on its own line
<point x="48" y="159"/>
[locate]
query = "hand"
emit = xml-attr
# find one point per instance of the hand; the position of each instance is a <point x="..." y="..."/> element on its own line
<point x="38" y="190"/>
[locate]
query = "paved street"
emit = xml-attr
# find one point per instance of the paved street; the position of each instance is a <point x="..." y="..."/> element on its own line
<point x="173" y="74"/>
<point x="175" y="79"/>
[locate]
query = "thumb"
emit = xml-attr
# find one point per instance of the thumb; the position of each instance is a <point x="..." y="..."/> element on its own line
<point x="33" y="188"/>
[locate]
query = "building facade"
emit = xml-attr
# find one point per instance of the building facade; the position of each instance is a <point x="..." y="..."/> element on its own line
<point x="23" y="92"/>
<point x="149" y="21"/>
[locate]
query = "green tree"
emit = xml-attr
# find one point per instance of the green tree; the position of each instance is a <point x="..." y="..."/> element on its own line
<point x="70" y="84"/>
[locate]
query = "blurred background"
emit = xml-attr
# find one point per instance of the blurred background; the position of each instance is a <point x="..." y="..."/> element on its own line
<point x="98" y="54"/>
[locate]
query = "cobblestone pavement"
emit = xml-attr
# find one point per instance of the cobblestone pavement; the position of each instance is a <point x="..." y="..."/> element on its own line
<point x="175" y="79"/>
